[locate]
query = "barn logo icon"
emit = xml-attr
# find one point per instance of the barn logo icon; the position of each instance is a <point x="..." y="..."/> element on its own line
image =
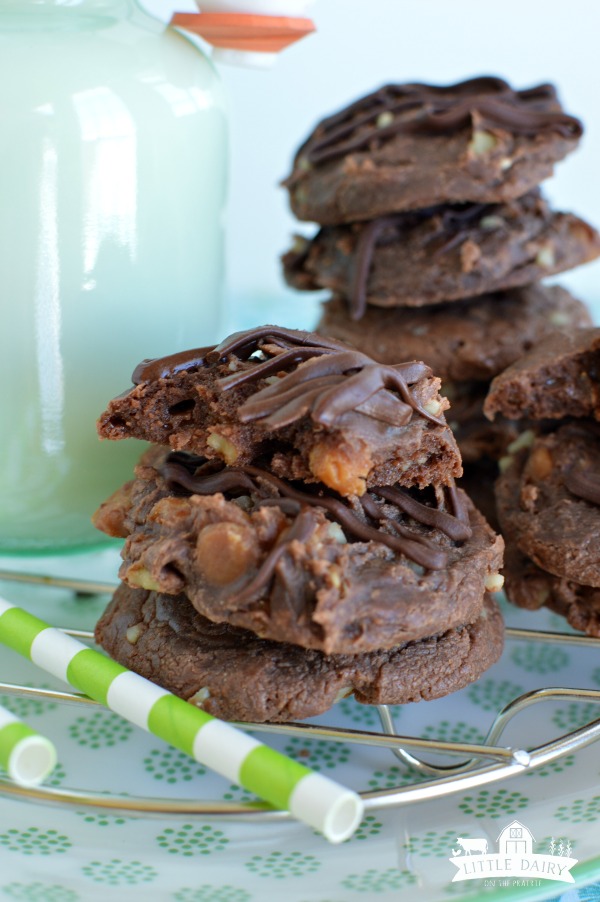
<point x="515" y="857"/>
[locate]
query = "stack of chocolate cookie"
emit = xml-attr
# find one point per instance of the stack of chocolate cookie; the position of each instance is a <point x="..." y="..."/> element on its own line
<point x="434" y="237"/>
<point x="294" y="535"/>
<point x="548" y="494"/>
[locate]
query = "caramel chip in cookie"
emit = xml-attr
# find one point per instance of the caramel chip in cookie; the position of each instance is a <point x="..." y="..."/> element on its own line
<point x="548" y="501"/>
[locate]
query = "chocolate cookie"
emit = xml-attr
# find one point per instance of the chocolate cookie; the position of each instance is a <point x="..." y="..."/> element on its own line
<point x="235" y="675"/>
<point x="312" y="408"/>
<point x="407" y="147"/>
<point x="528" y="586"/>
<point x="466" y="340"/>
<point x="559" y="378"/>
<point x="548" y="498"/>
<point x="443" y="254"/>
<point x="482" y="444"/>
<point x="477" y="482"/>
<point x="477" y="438"/>
<point x="301" y="565"/>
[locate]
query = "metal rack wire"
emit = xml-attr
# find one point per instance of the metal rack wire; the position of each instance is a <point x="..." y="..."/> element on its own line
<point x="480" y="764"/>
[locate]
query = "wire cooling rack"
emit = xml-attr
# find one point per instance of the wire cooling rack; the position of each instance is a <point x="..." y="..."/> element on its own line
<point x="464" y="765"/>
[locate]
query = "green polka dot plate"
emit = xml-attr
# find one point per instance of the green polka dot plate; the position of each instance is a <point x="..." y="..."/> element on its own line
<point x="60" y="848"/>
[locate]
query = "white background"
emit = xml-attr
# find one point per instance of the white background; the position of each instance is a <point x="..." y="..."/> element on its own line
<point x="358" y="47"/>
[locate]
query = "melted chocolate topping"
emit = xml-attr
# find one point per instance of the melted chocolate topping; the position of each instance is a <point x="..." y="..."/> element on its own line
<point x="160" y="367"/>
<point x="330" y="385"/>
<point x="242" y="344"/>
<point x="455" y="224"/>
<point x="300" y="531"/>
<point x="196" y="476"/>
<point x="327" y="378"/>
<point x="429" y="516"/>
<point x="432" y="110"/>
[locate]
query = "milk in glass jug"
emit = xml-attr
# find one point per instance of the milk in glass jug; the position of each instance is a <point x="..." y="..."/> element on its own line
<point x="112" y="183"/>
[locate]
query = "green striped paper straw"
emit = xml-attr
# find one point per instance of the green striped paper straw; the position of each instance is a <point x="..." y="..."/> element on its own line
<point x="310" y="797"/>
<point x="24" y="754"/>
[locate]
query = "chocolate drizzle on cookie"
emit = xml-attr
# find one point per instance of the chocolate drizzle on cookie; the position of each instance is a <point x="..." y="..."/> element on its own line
<point x="432" y="110"/>
<point x="245" y="344"/>
<point x="324" y="378"/>
<point x="151" y="370"/>
<point x="454" y="224"/>
<point x="298" y="344"/>
<point x="326" y="381"/>
<point x="331" y="387"/>
<point x="195" y="475"/>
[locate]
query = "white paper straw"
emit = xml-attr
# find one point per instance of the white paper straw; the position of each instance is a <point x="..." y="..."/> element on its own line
<point x="310" y="797"/>
<point x="27" y="756"/>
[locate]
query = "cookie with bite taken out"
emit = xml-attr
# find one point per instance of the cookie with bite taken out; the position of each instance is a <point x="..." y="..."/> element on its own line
<point x="311" y="408"/>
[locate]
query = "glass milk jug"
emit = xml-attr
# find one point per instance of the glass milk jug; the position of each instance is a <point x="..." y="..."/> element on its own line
<point x="112" y="182"/>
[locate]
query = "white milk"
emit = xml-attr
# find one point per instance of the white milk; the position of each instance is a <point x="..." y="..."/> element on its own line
<point x="112" y="181"/>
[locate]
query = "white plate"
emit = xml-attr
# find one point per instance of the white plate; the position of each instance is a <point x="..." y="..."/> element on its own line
<point x="50" y="854"/>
